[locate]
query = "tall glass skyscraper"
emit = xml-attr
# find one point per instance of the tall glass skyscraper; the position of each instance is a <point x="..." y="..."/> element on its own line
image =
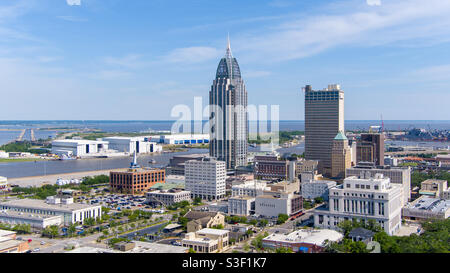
<point x="228" y="114"/>
<point x="324" y="118"/>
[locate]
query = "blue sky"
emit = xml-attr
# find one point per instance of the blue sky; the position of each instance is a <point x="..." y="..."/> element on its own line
<point x="117" y="59"/>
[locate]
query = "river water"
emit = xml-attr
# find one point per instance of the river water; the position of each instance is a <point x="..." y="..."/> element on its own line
<point x="42" y="168"/>
<point x="48" y="128"/>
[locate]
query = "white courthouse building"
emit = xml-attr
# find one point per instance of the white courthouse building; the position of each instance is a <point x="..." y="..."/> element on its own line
<point x="363" y="198"/>
<point x="205" y="178"/>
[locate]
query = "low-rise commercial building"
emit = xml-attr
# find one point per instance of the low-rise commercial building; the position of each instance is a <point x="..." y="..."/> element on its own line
<point x="36" y="221"/>
<point x="207" y="240"/>
<point x="427" y="208"/>
<point x="249" y="188"/>
<point x="134" y="247"/>
<point x="198" y="220"/>
<point x="306" y="241"/>
<point x="443" y="161"/>
<point x="364" y="198"/>
<point x="167" y="198"/>
<point x="434" y="188"/>
<point x="9" y="244"/>
<point x="271" y="204"/>
<point x="40" y="213"/>
<point x="241" y="205"/>
<point x="4" y="184"/>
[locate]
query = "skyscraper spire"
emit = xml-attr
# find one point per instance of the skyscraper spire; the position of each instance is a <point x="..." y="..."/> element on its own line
<point x="228" y="53"/>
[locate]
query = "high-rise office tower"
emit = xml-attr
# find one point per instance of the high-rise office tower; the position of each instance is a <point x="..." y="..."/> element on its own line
<point x="228" y="114"/>
<point x="341" y="158"/>
<point x="370" y="148"/>
<point x="324" y="118"/>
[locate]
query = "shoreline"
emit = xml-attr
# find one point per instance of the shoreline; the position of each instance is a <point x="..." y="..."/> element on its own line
<point x="38" y="181"/>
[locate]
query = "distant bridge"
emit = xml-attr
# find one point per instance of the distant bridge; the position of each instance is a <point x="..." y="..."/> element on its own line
<point x="21" y="135"/>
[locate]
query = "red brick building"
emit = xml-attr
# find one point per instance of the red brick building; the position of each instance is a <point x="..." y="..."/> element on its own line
<point x="269" y="167"/>
<point x="136" y="180"/>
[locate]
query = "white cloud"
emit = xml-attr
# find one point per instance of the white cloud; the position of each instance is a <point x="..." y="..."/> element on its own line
<point x="373" y="2"/>
<point x="398" y="22"/>
<point x="195" y="54"/>
<point x="73" y="2"/>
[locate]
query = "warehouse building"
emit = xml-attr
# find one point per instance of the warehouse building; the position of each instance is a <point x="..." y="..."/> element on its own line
<point x="180" y="139"/>
<point x="129" y="145"/>
<point x="79" y="147"/>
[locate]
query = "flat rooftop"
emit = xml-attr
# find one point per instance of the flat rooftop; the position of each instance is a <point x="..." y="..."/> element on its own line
<point x="242" y="197"/>
<point x="10" y="244"/>
<point x="141" y="247"/>
<point x="213" y="231"/>
<point x="40" y="204"/>
<point x="79" y="141"/>
<point x="26" y="215"/>
<point x="6" y="232"/>
<point x="315" y="236"/>
<point x="430" y="204"/>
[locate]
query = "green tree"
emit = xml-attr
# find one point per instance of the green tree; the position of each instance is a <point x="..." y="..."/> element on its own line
<point x="282" y="218"/>
<point x="283" y="250"/>
<point x="50" y="231"/>
<point x="318" y="200"/>
<point x="263" y="222"/>
<point x="71" y="230"/>
<point x="257" y="242"/>
<point x="89" y="221"/>
<point x="197" y="201"/>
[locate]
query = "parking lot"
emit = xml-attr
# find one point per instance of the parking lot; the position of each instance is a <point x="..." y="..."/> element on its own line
<point x="118" y="202"/>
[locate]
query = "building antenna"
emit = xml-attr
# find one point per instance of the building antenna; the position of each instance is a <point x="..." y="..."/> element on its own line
<point x="382" y="124"/>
